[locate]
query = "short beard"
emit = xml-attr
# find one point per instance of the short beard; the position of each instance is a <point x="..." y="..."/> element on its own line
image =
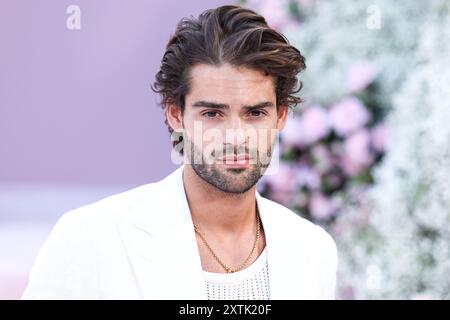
<point x="235" y="180"/>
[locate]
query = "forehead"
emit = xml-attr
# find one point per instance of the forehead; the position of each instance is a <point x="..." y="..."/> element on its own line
<point x="229" y="84"/>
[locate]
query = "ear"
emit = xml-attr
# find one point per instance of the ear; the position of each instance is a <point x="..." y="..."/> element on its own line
<point x="174" y="117"/>
<point x="282" y="117"/>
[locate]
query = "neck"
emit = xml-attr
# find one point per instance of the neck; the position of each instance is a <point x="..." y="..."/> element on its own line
<point x="218" y="211"/>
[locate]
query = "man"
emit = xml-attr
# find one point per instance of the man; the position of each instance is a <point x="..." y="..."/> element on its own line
<point x="204" y="232"/>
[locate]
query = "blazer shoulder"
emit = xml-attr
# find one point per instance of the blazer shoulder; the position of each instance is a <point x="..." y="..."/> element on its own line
<point x="65" y="266"/>
<point x="112" y="207"/>
<point x="105" y="213"/>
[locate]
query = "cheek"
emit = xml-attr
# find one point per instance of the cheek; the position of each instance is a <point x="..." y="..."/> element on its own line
<point x="267" y="132"/>
<point x="193" y="127"/>
<point x="262" y="139"/>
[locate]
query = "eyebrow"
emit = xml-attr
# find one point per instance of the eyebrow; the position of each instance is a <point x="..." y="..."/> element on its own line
<point x="213" y="105"/>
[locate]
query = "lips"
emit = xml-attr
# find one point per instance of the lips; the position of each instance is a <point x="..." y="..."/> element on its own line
<point x="234" y="158"/>
<point x="236" y="162"/>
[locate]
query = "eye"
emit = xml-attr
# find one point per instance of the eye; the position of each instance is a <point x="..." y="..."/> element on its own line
<point x="210" y="114"/>
<point x="257" y="113"/>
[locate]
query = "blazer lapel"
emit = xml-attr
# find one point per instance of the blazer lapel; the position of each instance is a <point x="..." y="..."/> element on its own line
<point x="161" y="244"/>
<point x="292" y="274"/>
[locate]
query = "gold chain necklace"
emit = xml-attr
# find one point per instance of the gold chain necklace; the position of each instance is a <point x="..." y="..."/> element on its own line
<point x="243" y="264"/>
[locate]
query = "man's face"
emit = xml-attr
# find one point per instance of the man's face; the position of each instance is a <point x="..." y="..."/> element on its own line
<point x="230" y="123"/>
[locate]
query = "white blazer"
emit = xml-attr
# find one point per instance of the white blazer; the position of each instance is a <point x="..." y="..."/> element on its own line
<point x="141" y="244"/>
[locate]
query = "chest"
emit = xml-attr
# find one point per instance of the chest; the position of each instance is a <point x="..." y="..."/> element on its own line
<point x="232" y="255"/>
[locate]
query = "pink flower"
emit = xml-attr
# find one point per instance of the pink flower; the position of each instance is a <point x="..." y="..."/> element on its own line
<point x="284" y="198"/>
<point x="315" y="124"/>
<point x="379" y="137"/>
<point x="360" y="76"/>
<point x="323" y="158"/>
<point x="356" y="153"/>
<point x="283" y="183"/>
<point x="348" y="115"/>
<point x="291" y="134"/>
<point x="284" y="180"/>
<point x="333" y="180"/>
<point x="321" y="207"/>
<point x="276" y="12"/>
<point x="312" y="126"/>
<point x="300" y="199"/>
<point x="308" y="176"/>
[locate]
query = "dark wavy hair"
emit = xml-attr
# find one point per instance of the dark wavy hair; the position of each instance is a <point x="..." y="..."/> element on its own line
<point x="228" y="34"/>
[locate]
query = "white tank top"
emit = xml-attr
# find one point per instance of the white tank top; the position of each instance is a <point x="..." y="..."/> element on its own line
<point x="251" y="283"/>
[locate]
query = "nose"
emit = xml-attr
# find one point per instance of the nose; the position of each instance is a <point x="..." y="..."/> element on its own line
<point x="235" y="133"/>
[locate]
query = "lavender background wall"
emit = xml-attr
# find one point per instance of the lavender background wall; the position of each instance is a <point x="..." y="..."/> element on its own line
<point x="76" y="106"/>
<point x="78" y="120"/>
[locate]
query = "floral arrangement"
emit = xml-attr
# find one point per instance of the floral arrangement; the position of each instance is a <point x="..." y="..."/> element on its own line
<point x="367" y="155"/>
<point x="328" y="151"/>
<point x="330" y="145"/>
<point x="402" y="251"/>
